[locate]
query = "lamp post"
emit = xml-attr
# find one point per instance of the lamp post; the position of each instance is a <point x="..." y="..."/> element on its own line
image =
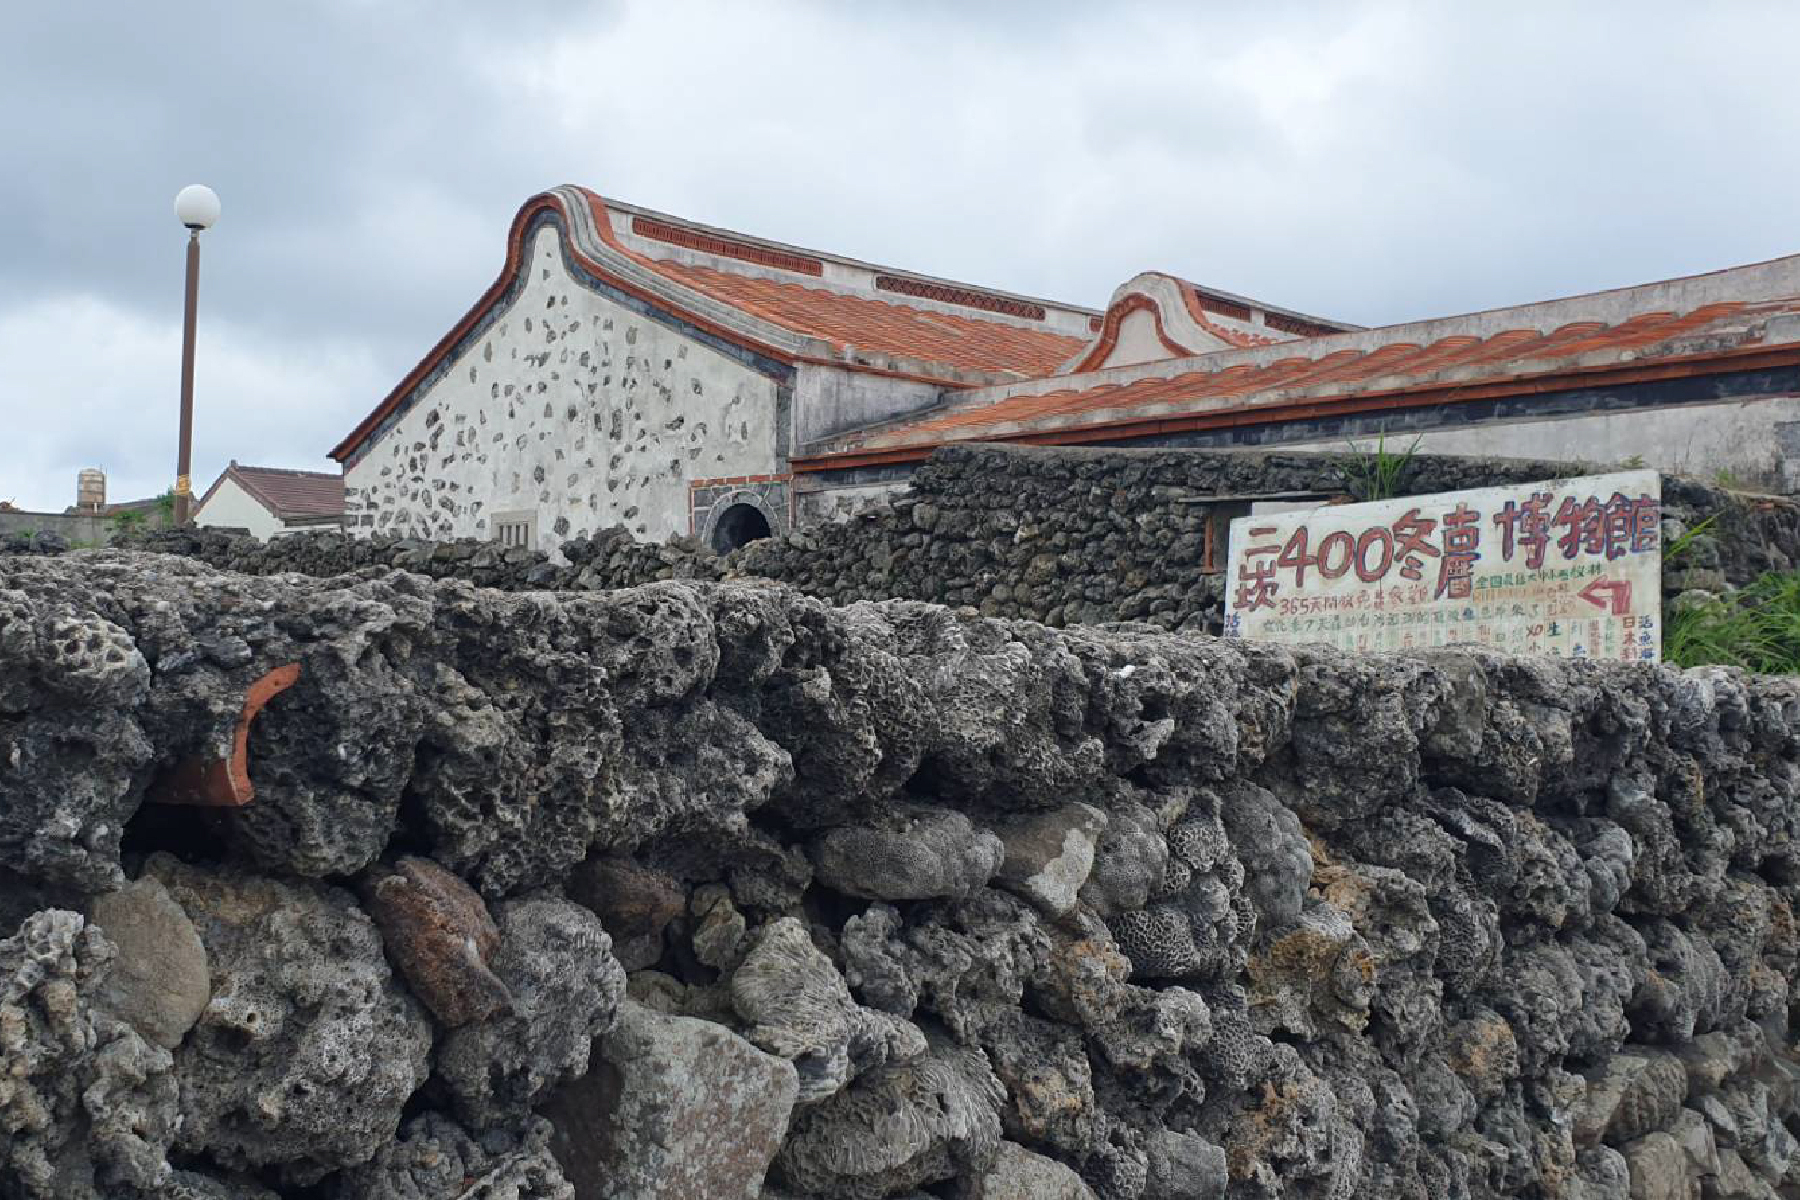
<point x="195" y="207"/>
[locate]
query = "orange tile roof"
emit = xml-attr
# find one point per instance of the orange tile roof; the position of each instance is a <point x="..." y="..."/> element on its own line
<point x="886" y="327"/>
<point x="1224" y="388"/>
<point x="849" y="322"/>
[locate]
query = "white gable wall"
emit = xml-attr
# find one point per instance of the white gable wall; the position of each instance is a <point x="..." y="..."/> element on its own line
<point x="569" y="407"/>
<point x="231" y="506"/>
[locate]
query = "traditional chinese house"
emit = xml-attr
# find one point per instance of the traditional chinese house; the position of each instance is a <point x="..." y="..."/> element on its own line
<point x="631" y="367"/>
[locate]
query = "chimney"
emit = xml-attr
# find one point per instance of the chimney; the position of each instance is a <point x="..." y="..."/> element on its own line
<point x="90" y="489"/>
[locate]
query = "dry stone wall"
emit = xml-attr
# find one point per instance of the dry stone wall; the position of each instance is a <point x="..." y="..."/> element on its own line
<point x="704" y="889"/>
<point x="1053" y="535"/>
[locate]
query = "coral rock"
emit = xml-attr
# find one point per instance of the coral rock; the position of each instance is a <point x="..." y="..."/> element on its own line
<point x="309" y="1046"/>
<point x="433" y="1157"/>
<point x="159" y="983"/>
<point x="635" y="903"/>
<point x="85" y="1103"/>
<point x="898" y="1127"/>
<point x="566" y="987"/>
<point x="1048" y="856"/>
<point x="440" y="936"/>
<point x="914" y="855"/>
<point x="1018" y="1174"/>
<point x="676" y="1108"/>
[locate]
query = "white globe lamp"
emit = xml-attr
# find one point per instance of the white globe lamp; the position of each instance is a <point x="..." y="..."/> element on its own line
<point x="196" y="206"/>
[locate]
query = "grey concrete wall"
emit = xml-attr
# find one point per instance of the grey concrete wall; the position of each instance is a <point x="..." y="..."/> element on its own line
<point x="1748" y="443"/>
<point x="570" y="407"/>
<point x="79" y="530"/>
<point x="830" y="400"/>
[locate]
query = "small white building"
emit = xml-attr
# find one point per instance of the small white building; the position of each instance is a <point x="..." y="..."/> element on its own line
<point x="270" y="501"/>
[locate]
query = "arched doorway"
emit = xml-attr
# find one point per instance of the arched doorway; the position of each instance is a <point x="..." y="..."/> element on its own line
<point x="738" y="526"/>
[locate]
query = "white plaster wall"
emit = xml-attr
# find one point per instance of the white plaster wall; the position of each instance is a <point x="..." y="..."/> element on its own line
<point x="232" y="506"/>
<point x="572" y="407"/>
<point x="1741" y="441"/>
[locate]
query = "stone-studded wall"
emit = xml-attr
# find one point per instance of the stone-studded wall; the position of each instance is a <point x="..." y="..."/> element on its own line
<point x="1053" y="535"/>
<point x="716" y="891"/>
<point x="1070" y="535"/>
<point x="571" y="408"/>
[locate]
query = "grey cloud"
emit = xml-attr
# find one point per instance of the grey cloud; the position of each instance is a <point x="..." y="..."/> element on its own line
<point x="1373" y="161"/>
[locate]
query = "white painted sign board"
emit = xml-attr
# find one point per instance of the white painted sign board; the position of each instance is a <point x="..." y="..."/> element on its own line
<point x="1570" y="568"/>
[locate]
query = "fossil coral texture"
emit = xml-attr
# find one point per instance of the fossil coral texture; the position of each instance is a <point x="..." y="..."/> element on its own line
<point x="1058" y="534"/>
<point x="918" y="901"/>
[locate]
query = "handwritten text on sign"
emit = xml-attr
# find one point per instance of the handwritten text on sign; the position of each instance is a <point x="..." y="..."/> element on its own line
<point x="1566" y="567"/>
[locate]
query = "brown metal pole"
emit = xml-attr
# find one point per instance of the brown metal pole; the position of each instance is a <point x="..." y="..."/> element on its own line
<point x="184" y="455"/>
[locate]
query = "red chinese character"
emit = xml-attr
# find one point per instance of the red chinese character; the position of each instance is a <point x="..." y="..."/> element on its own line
<point x="1462" y="541"/>
<point x="1410" y="547"/>
<point x="1526" y="525"/>
<point x="1256" y="579"/>
<point x="1589" y="526"/>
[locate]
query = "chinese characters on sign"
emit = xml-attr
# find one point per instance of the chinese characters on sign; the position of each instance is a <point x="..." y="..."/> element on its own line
<point x="1567" y="567"/>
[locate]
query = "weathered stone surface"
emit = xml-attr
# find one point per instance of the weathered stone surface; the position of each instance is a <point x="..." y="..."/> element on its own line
<point x="1048" y="857"/>
<point x="1632" y="1095"/>
<point x="433" y="1157"/>
<point x="911" y="855"/>
<point x="1018" y="1174"/>
<point x="557" y="963"/>
<point x="1185" y="1167"/>
<point x="309" y="1046"/>
<point x="927" y="1119"/>
<point x="71" y="757"/>
<point x="674" y="1108"/>
<point x="718" y="927"/>
<point x="439" y="935"/>
<point x="796" y="1005"/>
<point x="197" y="1185"/>
<point x="159" y="982"/>
<point x="1736" y="1181"/>
<point x="635" y="903"/>
<point x="1398" y="925"/>
<point x="87" y="1107"/>
<point x="1659" y="1169"/>
<point x="1695" y="1137"/>
<point x="1053" y="534"/>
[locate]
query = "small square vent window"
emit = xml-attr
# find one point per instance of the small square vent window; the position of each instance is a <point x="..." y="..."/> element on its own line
<point x="515" y="529"/>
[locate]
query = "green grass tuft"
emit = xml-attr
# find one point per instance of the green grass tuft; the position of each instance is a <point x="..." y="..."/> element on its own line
<point x="1757" y="628"/>
<point x="1377" y="474"/>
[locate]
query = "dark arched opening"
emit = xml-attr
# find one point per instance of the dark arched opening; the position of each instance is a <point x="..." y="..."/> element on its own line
<point x="738" y="526"/>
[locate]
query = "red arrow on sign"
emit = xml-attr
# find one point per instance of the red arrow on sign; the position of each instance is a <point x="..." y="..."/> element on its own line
<point x="1619" y="591"/>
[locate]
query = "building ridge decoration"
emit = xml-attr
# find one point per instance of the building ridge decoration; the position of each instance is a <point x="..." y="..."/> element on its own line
<point x="675" y="235"/>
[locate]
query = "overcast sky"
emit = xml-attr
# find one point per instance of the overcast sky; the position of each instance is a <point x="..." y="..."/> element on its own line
<point x="1373" y="162"/>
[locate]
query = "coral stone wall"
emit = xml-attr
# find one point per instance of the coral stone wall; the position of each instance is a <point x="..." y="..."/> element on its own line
<point x="1054" y="535"/>
<point x="714" y="890"/>
<point x="568" y="408"/>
